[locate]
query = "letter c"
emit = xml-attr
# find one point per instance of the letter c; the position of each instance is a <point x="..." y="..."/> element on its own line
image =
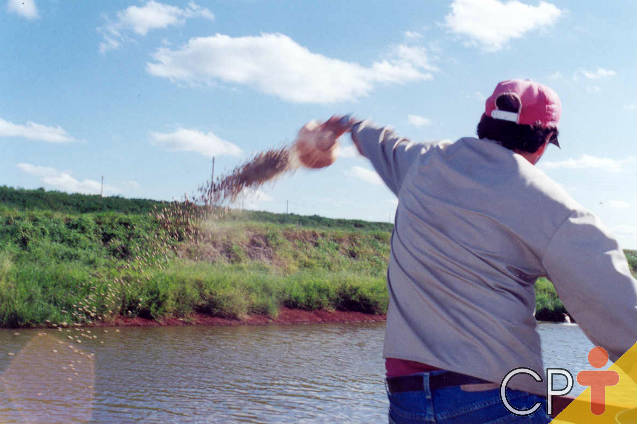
<point x="503" y="387"/>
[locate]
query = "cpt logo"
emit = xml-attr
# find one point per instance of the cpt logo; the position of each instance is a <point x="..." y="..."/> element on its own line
<point x="597" y="380"/>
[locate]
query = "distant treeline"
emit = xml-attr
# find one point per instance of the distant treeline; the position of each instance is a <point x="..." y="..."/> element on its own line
<point x="57" y="201"/>
<point x="72" y="203"/>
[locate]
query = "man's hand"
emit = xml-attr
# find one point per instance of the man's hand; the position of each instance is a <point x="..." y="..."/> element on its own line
<point x="316" y="144"/>
<point x="338" y="125"/>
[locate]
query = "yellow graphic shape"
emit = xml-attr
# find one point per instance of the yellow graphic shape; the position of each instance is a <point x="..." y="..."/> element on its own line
<point x="621" y="399"/>
<point x="51" y="380"/>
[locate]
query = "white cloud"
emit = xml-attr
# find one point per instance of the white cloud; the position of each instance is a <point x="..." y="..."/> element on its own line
<point x="207" y="144"/>
<point x="598" y="73"/>
<point x="62" y="180"/>
<point x="365" y="175"/>
<point x="418" y="121"/>
<point x="257" y="195"/>
<point x="24" y="8"/>
<point x="38" y="171"/>
<point x="140" y="20"/>
<point x="251" y="198"/>
<point x="623" y="230"/>
<point x="412" y="35"/>
<point x="616" y="204"/>
<point x="492" y="23"/>
<point x="33" y="131"/>
<point x="412" y="56"/>
<point x="275" y="64"/>
<point x="590" y="162"/>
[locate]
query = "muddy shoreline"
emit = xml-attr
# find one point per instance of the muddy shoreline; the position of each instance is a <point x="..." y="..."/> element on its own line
<point x="286" y="316"/>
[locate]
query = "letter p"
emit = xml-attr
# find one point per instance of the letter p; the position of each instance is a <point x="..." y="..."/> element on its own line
<point x="550" y="392"/>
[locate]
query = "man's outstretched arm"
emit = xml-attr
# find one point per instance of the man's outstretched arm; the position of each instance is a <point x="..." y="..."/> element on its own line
<point x="390" y="155"/>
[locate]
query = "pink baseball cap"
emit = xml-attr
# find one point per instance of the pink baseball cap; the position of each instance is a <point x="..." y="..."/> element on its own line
<point x="538" y="104"/>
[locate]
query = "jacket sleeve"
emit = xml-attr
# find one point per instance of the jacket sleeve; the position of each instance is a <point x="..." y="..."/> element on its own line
<point x="592" y="278"/>
<point x="390" y="155"/>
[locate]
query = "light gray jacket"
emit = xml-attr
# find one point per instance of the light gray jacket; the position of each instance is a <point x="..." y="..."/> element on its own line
<point x="476" y="225"/>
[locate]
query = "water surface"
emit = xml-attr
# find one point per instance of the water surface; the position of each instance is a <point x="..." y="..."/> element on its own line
<point x="253" y="374"/>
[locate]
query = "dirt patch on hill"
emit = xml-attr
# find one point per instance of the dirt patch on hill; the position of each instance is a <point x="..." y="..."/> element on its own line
<point x="222" y="248"/>
<point x="304" y="236"/>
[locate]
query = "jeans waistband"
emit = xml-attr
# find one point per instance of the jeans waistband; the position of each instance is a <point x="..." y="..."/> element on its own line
<point x="435" y="380"/>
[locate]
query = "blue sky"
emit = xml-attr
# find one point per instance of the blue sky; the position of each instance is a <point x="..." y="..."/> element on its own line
<point x="144" y="92"/>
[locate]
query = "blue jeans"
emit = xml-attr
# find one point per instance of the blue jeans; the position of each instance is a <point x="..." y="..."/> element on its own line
<point x="452" y="405"/>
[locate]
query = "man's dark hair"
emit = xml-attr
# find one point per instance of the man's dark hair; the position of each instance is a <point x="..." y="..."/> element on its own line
<point x="527" y="138"/>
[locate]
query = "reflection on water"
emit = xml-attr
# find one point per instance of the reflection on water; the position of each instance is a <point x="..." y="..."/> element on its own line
<point x="296" y="373"/>
<point x="49" y="380"/>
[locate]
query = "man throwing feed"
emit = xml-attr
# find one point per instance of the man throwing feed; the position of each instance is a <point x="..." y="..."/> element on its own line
<point x="477" y="223"/>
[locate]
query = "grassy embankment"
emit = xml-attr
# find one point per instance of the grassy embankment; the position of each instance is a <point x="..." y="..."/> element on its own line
<point x="73" y="258"/>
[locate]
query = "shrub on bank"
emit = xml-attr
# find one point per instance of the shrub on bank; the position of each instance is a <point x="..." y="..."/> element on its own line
<point x="548" y="306"/>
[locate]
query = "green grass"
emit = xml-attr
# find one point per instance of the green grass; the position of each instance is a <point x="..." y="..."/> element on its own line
<point x="65" y="266"/>
<point x="80" y="267"/>
<point x="229" y="292"/>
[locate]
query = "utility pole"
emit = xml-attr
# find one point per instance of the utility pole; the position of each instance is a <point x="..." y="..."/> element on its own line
<point x="211" y="189"/>
<point x="102" y="188"/>
<point x="287" y="207"/>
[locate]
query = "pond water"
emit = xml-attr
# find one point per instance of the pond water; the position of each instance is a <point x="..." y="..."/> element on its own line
<point x="254" y="374"/>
